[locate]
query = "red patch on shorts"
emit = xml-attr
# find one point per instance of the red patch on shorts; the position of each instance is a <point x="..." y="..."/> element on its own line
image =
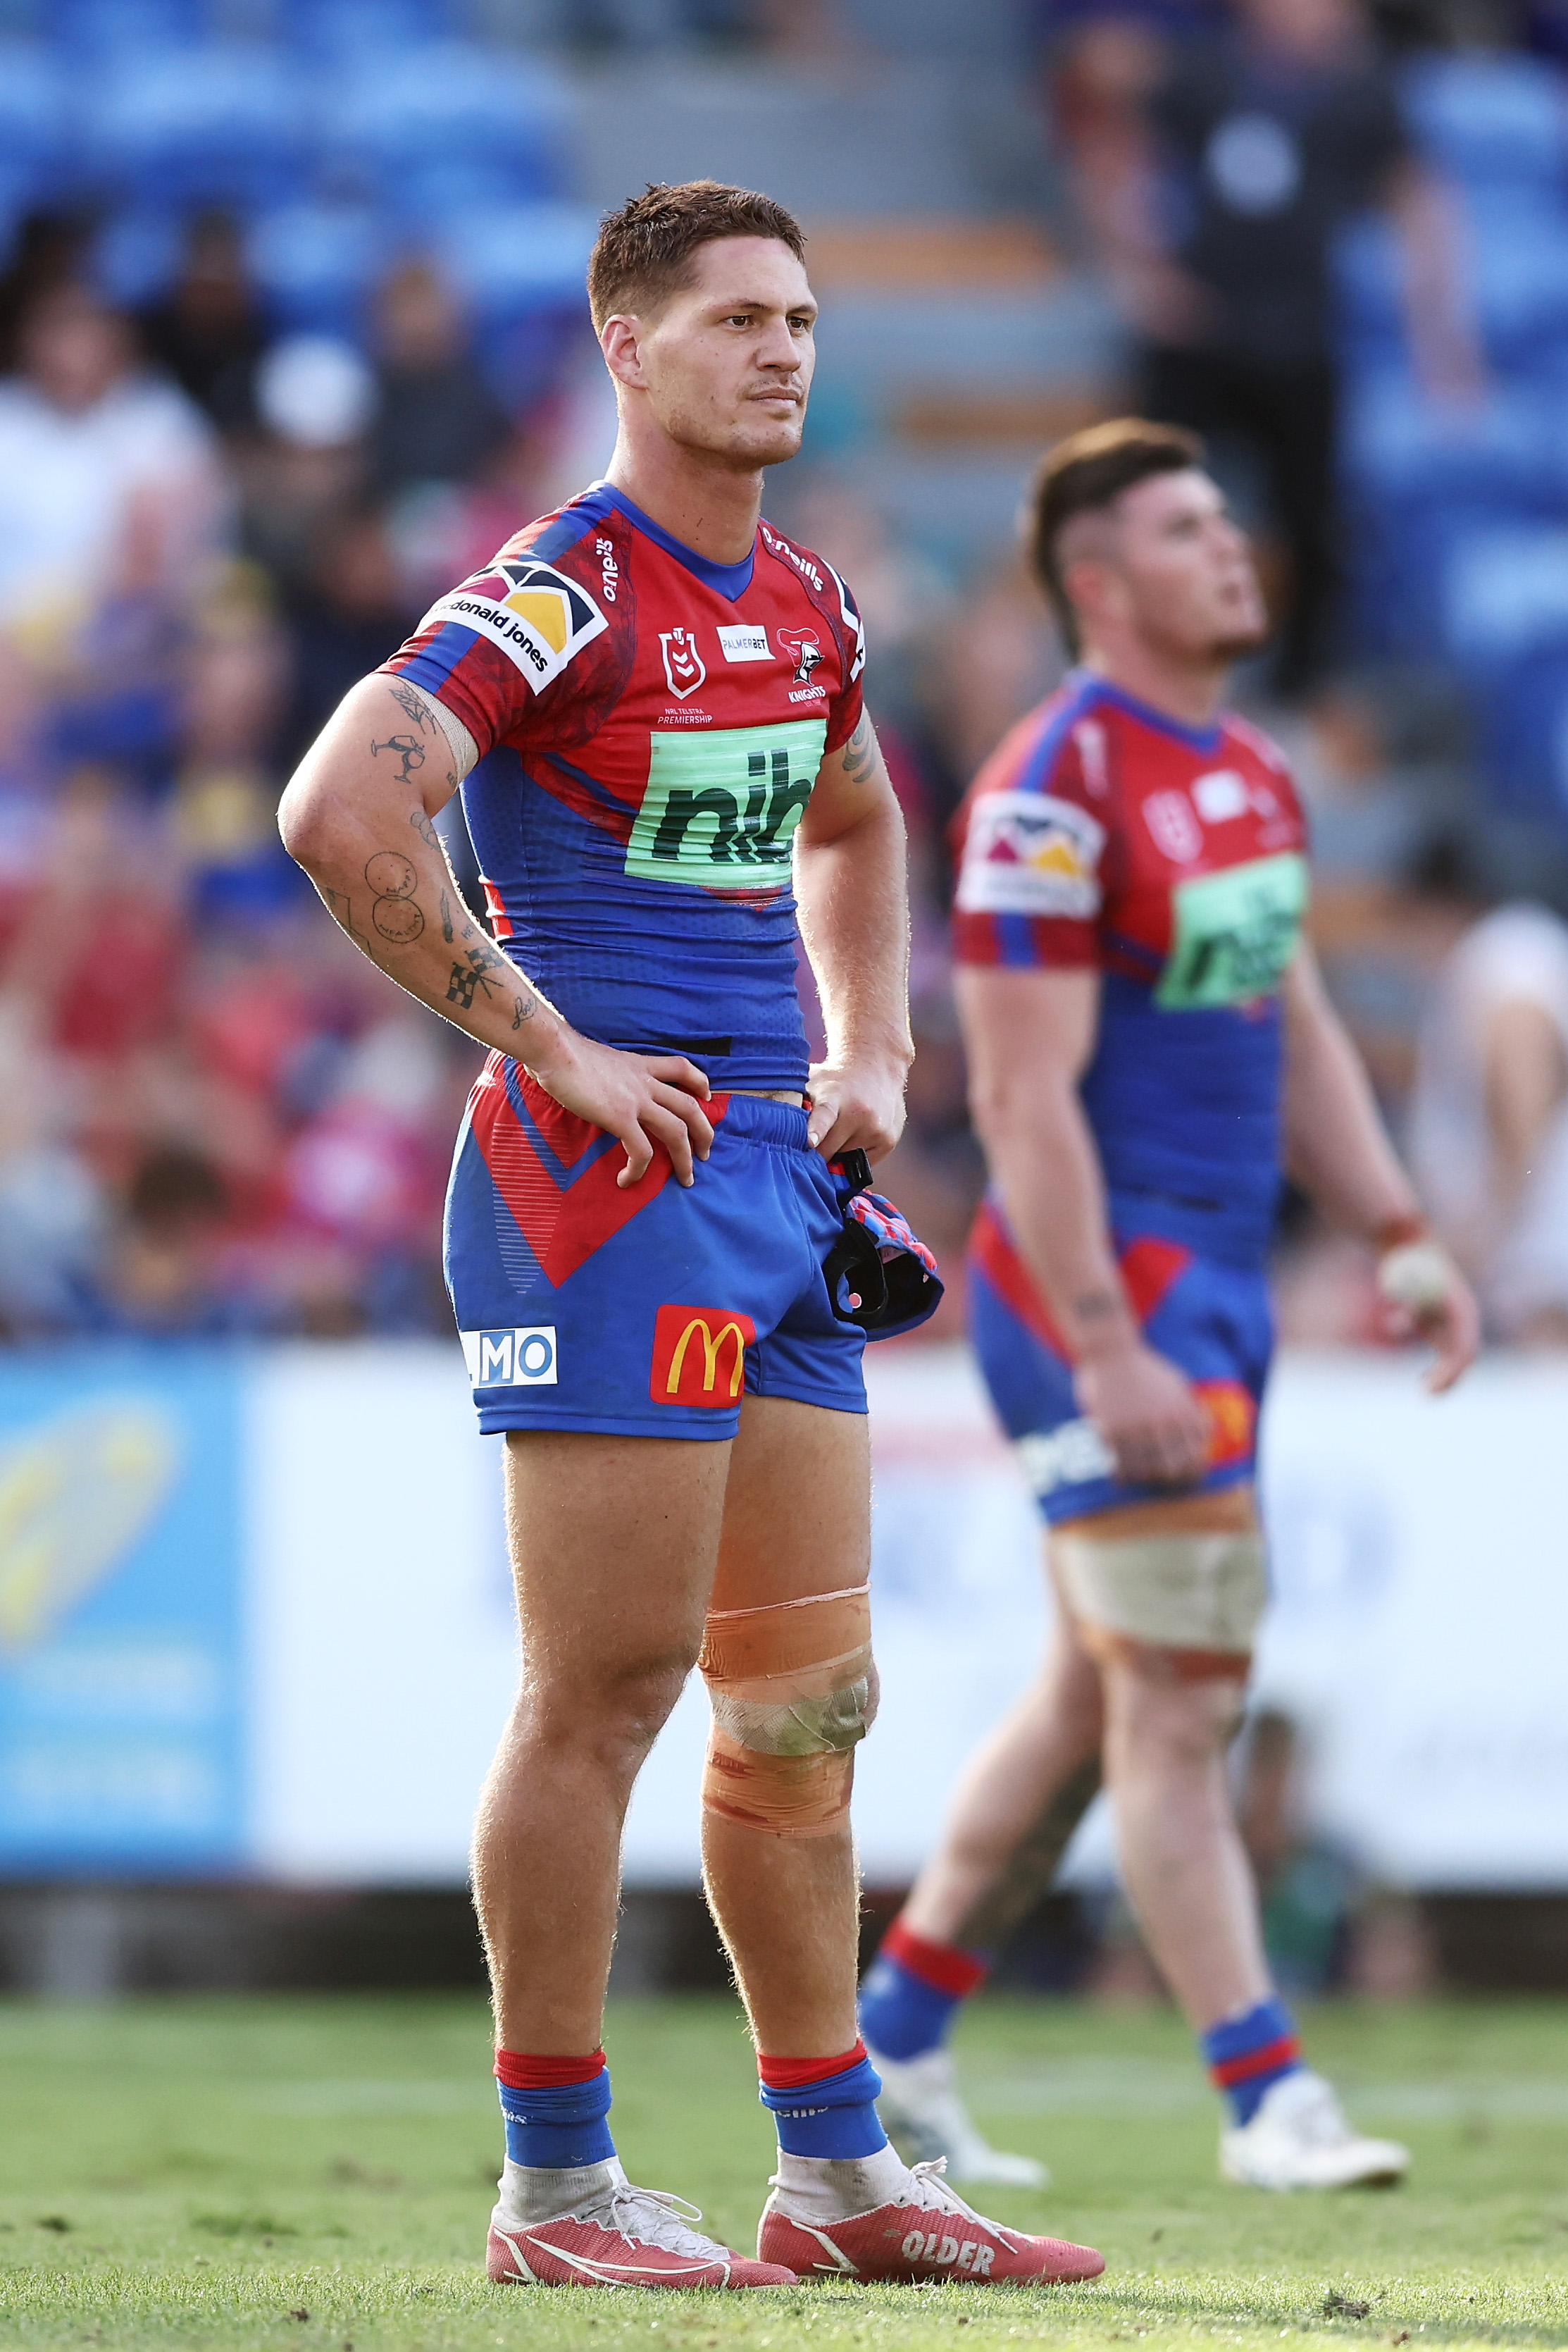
<point x="1232" y="1416"/>
<point x="699" y="1355"/>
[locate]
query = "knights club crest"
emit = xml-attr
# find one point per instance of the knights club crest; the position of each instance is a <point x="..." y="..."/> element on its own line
<point x="683" y="666"/>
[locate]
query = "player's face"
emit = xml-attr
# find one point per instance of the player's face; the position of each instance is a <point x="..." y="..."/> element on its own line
<point x="1185" y="569"/>
<point x="728" y="363"/>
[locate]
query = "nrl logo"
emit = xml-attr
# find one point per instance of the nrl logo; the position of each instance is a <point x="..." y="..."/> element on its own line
<point x="803" y="649"/>
<point x="683" y="666"/>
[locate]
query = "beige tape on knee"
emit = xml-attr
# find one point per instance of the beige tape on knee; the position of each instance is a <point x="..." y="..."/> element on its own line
<point x="793" y="1690"/>
<point x="1194" y="1596"/>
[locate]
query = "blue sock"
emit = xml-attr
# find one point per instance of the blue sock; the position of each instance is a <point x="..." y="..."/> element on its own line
<point x="912" y="1990"/>
<point x="832" y="2112"/>
<point x="1247" y="2055"/>
<point x="556" y="2124"/>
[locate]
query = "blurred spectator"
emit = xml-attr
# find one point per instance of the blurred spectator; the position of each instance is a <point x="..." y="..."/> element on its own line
<point x="1216" y="181"/>
<point x="1489" y="1128"/>
<point x="50" y="250"/>
<point x="109" y="480"/>
<point x="436" y="418"/>
<point x="348" y="614"/>
<point x="315" y="399"/>
<point x="162" y="1276"/>
<point x="210" y="330"/>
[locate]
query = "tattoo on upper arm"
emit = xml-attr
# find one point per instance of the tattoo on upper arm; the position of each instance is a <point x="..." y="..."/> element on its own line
<point x="394" y="913"/>
<point x="414" y="703"/>
<point x="860" y="753"/>
<point x="427" y="832"/>
<point x="410" y="751"/>
<point x="339" y="906"/>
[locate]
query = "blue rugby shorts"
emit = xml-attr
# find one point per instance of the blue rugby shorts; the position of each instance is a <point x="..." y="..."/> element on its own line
<point x="648" y="1311"/>
<point x="1212" y="1319"/>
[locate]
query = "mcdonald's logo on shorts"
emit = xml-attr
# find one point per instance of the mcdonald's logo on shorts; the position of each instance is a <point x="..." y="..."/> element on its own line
<point x="699" y="1355"/>
<point x="1232" y="1417"/>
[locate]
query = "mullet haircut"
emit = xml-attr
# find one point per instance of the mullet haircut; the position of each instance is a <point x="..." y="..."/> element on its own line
<point x="1086" y="474"/>
<point x="643" y="254"/>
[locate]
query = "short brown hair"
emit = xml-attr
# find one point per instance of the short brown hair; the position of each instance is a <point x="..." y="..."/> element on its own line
<point x="643" y="254"/>
<point x="1089" y="471"/>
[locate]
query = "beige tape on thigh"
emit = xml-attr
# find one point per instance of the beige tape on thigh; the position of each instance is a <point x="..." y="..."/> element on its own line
<point x="793" y="1690"/>
<point x="1193" y="1595"/>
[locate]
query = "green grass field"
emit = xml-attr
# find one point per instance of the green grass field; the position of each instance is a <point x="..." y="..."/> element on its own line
<point x="318" y="2173"/>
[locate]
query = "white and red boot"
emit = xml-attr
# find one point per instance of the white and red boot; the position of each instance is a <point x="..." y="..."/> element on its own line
<point x="608" y="2233"/>
<point x="914" y="2227"/>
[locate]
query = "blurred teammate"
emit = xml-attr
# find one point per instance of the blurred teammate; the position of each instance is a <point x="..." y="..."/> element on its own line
<point x="654" y="703"/>
<point x="1149" y="1047"/>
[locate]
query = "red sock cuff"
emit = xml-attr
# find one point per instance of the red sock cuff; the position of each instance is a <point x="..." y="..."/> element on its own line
<point x="789" y="2073"/>
<point x="1272" y="2058"/>
<point x="521" y="2073"/>
<point x="946" y="1968"/>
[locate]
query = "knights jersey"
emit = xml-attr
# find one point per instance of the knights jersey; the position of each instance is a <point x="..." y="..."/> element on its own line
<point x="1102" y="835"/>
<point x="650" y="727"/>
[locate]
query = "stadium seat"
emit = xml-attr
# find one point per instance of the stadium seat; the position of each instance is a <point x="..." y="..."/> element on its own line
<point x="524" y="257"/>
<point x="96" y="32"/>
<point x="138" y="254"/>
<point x="500" y="119"/>
<point x="316" y="262"/>
<point x="223" y="123"/>
<point x="34" y="120"/>
<point x="1506" y="595"/>
<point x="1490" y="120"/>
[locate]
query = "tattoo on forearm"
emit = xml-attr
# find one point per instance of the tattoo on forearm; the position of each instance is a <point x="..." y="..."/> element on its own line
<point x="472" y="973"/>
<point x="523" y="1009"/>
<point x="860" y="753"/>
<point x="1094" y="1305"/>
<point x="410" y="751"/>
<point x="427" y="831"/>
<point x="394" y="913"/>
<point x="408" y="701"/>
<point x="446" y="931"/>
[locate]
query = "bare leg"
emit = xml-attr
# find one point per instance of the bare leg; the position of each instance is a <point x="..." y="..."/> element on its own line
<point x="614" y="1544"/>
<point x="1186" y="1870"/>
<point x="797" y="1521"/>
<point x="1018" y="1803"/>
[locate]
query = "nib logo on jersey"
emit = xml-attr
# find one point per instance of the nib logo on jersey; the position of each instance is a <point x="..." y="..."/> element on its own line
<point x="720" y="810"/>
<point x="537" y="615"/>
<point x="683" y="666"/>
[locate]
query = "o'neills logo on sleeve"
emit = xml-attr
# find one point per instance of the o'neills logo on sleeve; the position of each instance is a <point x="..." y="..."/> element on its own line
<point x="699" y="1355"/>
<point x="537" y="615"/>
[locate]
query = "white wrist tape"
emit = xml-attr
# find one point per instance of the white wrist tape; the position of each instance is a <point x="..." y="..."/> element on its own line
<point x="1416" y="1276"/>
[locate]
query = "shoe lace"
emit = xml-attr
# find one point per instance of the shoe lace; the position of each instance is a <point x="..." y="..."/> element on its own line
<point x="653" y="2217"/>
<point x="1320" y="2121"/>
<point x="936" y="2194"/>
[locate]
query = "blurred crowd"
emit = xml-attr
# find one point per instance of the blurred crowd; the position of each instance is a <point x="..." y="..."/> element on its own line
<point x="215" y="1118"/>
<point x="216" y="512"/>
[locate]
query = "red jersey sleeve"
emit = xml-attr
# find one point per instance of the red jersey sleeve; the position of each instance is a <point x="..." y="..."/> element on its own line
<point x="493" y="646"/>
<point x="1029" y="849"/>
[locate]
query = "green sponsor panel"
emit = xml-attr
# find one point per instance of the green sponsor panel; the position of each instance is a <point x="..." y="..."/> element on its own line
<point x="721" y="807"/>
<point x="1234" y="933"/>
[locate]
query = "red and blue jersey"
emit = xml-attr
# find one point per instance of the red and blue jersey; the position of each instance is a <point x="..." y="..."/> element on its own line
<point x="1102" y="835"/>
<point x="650" y="727"/>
